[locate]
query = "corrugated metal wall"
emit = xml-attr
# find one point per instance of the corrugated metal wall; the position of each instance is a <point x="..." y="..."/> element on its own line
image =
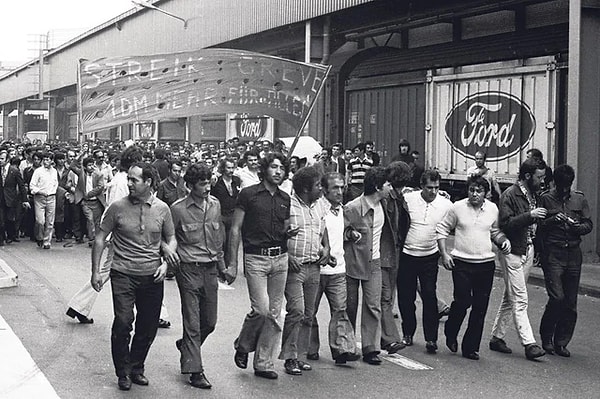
<point x="385" y="115"/>
<point x="210" y="22"/>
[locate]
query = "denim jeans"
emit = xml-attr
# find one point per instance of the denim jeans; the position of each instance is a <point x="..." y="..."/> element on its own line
<point x="44" y="208"/>
<point x="146" y="295"/>
<point x="562" y="271"/>
<point x="516" y="270"/>
<point x="340" y="331"/>
<point x="198" y="289"/>
<point x="425" y="269"/>
<point x="266" y="277"/>
<point x="370" y="322"/>
<point x="472" y="286"/>
<point x="300" y="294"/>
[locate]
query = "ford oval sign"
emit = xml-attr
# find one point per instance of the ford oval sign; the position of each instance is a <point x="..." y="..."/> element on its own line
<point x="496" y="123"/>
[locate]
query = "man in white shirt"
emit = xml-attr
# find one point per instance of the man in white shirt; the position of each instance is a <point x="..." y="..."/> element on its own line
<point x="249" y="173"/>
<point x="419" y="259"/>
<point x="43" y="186"/>
<point x="342" y="341"/>
<point x="479" y="169"/>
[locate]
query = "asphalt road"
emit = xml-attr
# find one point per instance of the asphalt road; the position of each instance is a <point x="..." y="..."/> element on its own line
<point x="76" y="358"/>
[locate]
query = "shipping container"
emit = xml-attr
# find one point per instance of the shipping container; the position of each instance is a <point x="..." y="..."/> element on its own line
<point x="502" y="109"/>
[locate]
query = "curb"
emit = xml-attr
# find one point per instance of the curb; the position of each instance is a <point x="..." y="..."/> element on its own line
<point x="8" y="278"/>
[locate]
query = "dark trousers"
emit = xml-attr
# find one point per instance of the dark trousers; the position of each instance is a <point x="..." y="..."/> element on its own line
<point x="146" y="295"/>
<point x="389" y="329"/>
<point x="562" y="271"/>
<point x="472" y="286"/>
<point x="425" y="269"/>
<point x="198" y="289"/>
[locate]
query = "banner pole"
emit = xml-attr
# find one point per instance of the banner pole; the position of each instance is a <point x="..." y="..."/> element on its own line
<point x="312" y="105"/>
<point x="79" y="104"/>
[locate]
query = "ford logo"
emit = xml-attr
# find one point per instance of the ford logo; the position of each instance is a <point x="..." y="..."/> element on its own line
<point x="497" y="123"/>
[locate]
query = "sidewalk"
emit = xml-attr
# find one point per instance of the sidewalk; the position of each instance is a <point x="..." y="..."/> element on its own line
<point x="589" y="284"/>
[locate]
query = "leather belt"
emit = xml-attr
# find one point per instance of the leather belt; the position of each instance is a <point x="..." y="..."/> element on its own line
<point x="271" y="251"/>
<point x="200" y="264"/>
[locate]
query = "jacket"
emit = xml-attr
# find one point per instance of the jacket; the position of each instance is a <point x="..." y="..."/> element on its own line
<point x="358" y="216"/>
<point x="13" y="188"/>
<point x="397" y="222"/>
<point x="515" y="218"/>
<point x="97" y="184"/>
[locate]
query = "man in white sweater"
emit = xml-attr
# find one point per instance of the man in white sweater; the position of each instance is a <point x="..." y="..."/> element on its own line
<point x="419" y="259"/>
<point x="475" y="222"/>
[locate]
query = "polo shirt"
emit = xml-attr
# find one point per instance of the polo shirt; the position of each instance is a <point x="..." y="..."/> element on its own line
<point x="335" y="233"/>
<point x="137" y="229"/>
<point x="424" y="217"/>
<point x="264" y="216"/>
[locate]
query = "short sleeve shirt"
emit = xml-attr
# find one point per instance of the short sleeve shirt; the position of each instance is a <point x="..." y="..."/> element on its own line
<point x="137" y="228"/>
<point x="264" y="216"/>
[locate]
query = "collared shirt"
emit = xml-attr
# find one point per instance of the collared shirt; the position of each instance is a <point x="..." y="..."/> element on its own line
<point x="334" y="222"/>
<point x="198" y="229"/>
<point x="44" y="181"/>
<point x="424" y="217"/>
<point x="358" y="168"/>
<point x="305" y="245"/>
<point x="137" y="229"/>
<point x="474" y="230"/>
<point x="169" y="192"/>
<point x="89" y="184"/>
<point x="264" y="216"/>
<point x="247" y="177"/>
<point x="575" y="206"/>
<point x="378" y="220"/>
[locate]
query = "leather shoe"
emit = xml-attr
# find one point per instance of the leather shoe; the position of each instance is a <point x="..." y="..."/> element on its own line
<point x="241" y="359"/>
<point x="471" y="355"/>
<point x="548" y="346"/>
<point x="313" y="356"/>
<point x="498" y="345"/>
<point x="431" y="347"/>
<point x="372" y="358"/>
<point x="139" y="379"/>
<point x="72" y="313"/>
<point x="407" y="340"/>
<point x="124" y="383"/>
<point x="268" y="374"/>
<point x="199" y="380"/>
<point x="394" y="347"/>
<point x="533" y="351"/>
<point x="452" y="344"/>
<point x="164" y="323"/>
<point x="292" y="367"/>
<point x="562" y="351"/>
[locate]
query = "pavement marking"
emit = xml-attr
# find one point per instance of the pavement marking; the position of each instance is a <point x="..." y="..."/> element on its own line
<point x="402" y="361"/>
<point x="225" y="287"/>
<point x="20" y="377"/>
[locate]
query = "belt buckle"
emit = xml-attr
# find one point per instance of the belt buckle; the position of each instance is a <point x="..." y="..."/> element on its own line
<point x="273" y="251"/>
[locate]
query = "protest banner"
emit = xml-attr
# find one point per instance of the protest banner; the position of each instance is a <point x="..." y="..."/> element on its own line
<point x="120" y="90"/>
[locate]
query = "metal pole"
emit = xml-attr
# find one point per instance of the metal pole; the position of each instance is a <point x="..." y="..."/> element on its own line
<point x="312" y="105"/>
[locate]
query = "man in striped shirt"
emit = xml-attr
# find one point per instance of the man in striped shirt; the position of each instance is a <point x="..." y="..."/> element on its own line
<point x="356" y="170"/>
<point x="308" y="250"/>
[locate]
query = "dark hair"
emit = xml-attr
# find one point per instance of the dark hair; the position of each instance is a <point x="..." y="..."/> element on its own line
<point x="359" y="146"/>
<point x="129" y="156"/>
<point x="430" y="175"/>
<point x="403" y="143"/>
<point x="530" y="166"/>
<point x="252" y="152"/>
<point x="268" y="159"/>
<point x="328" y="149"/>
<point x="327" y="177"/>
<point x="375" y="178"/>
<point x="535" y="153"/>
<point x="147" y="154"/>
<point x="398" y="173"/>
<point x="564" y="175"/>
<point x="159" y="153"/>
<point x="174" y="162"/>
<point x="223" y="164"/>
<point x="148" y="172"/>
<point x="369" y="143"/>
<point x="196" y="173"/>
<point x="59" y="155"/>
<point x="86" y="161"/>
<point x="15" y="161"/>
<point x="305" y="178"/>
<point x="47" y="154"/>
<point x="338" y="145"/>
<point x="477" y="180"/>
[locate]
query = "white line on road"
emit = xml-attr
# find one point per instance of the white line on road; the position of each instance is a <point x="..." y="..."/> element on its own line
<point x="20" y="377"/>
<point x="402" y="361"/>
